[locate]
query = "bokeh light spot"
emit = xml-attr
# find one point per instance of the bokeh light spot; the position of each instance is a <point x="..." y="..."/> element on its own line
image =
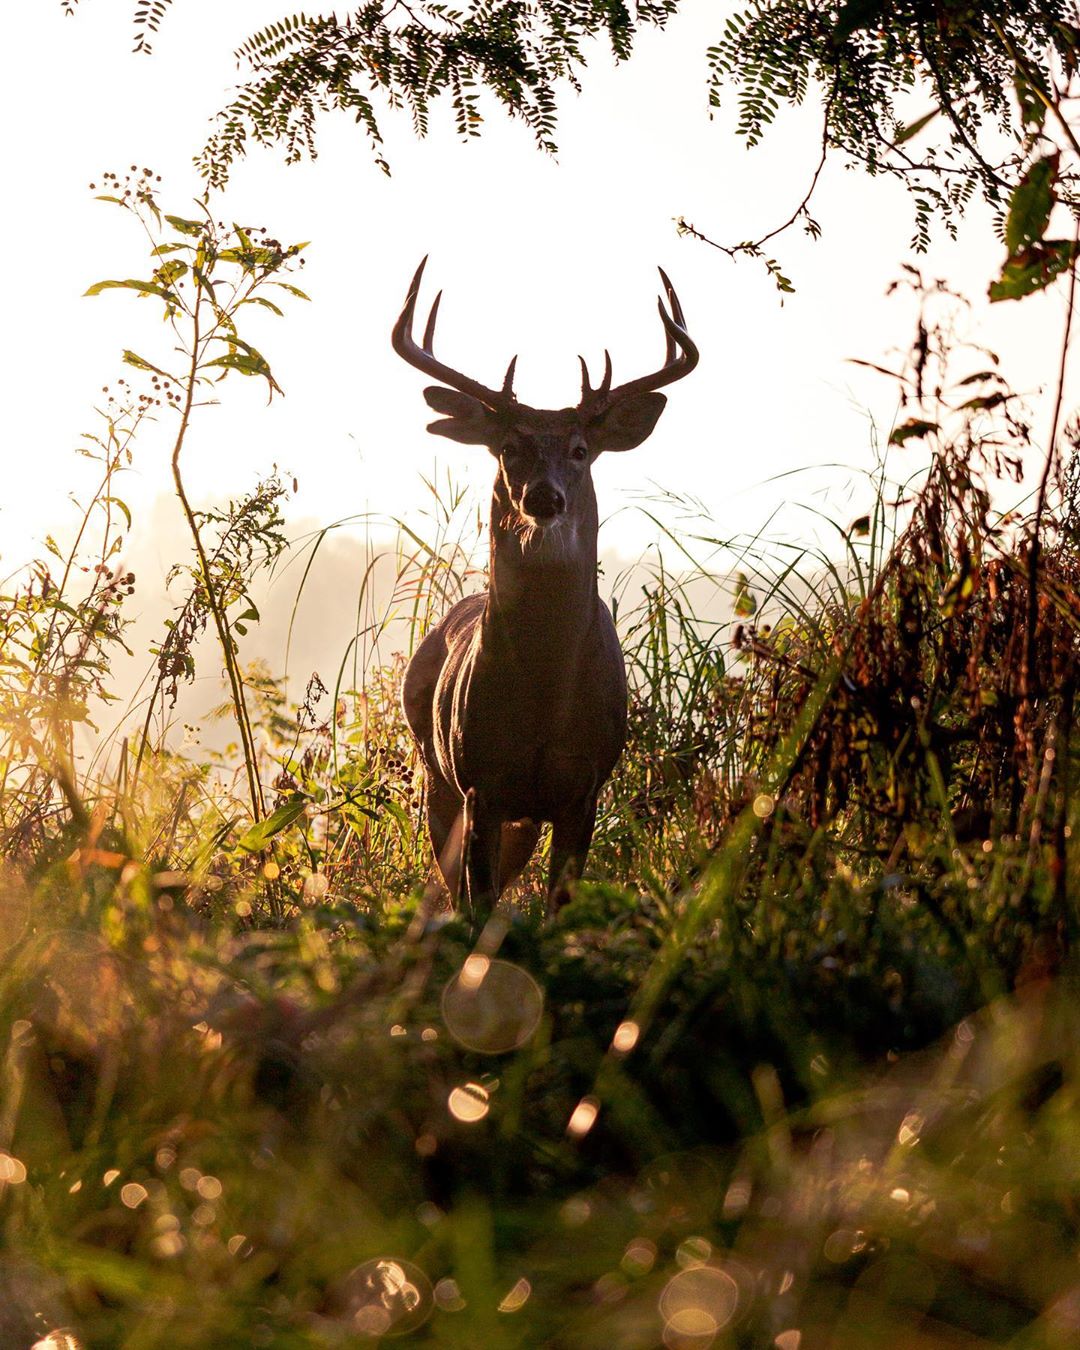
<point x="698" y="1303"/>
<point x="469" y="1103"/>
<point x="842" y="1245"/>
<point x="385" y="1297"/>
<point x="626" y="1037"/>
<point x="576" y="1211"/>
<point x="448" y="1296"/>
<point x="132" y="1195"/>
<point x="474" y="970"/>
<point x="639" y="1257"/>
<point x="583" y="1117"/>
<point x="517" y="1297"/>
<point x="695" y="1251"/>
<point x="492" y="1006"/>
<point x="12" y="1170"/>
<point x="316" y="886"/>
<point x="910" y="1129"/>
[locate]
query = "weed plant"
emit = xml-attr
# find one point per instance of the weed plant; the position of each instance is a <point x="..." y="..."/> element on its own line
<point x="797" y="1066"/>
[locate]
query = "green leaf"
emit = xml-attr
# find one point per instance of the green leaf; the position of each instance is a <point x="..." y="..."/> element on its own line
<point x="247" y="362"/>
<point x="203" y="279"/>
<point x="258" y="836"/>
<point x="912" y="429"/>
<point x="261" y="300"/>
<point x="909" y="132"/>
<point x="1033" y="269"/>
<point x="141" y="363"/>
<point x="745" y="601"/>
<point x="193" y="227"/>
<point x="856" y="14"/>
<point x="240" y="622"/>
<point x="1032" y="106"/>
<point x="980" y="377"/>
<point x="984" y="402"/>
<point x="246" y="365"/>
<point x="171" y="271"/>
<point x="293" y="290"/>
<point x="1032" y="201"/>
<point x="144" y="287"/>
<point x="122" y="505"/>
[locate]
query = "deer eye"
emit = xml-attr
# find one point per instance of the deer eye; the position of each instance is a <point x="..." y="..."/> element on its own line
<point x="579" y="452"/>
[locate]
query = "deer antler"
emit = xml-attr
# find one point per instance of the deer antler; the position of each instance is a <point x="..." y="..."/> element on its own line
<point x="680" y="358"/>
<point x="423" y="357"/>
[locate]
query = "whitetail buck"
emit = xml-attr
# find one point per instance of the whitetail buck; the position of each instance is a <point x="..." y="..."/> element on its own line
<point x="517" y="698"/>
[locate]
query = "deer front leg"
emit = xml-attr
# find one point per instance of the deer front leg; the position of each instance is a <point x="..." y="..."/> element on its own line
<point x="482" y="844"/>
<point x="570" y="839"/>
<point x="445" y="821"/>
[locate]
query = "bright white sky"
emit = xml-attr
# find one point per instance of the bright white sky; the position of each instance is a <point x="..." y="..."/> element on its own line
<point x="543" y="257"/>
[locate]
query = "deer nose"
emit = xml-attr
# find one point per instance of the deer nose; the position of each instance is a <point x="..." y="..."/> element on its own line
<point x="543" y="501"/>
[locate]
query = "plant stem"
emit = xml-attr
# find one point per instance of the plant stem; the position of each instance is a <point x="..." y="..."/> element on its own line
<point x="1035" y="543"/>
<point x="236" y="683"/>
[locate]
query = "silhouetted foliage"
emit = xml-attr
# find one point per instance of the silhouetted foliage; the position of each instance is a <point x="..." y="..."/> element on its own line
<point x="1000" y="80"/>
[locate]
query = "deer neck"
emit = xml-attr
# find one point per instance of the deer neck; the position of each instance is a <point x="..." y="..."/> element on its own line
<point x="542" y="592"/>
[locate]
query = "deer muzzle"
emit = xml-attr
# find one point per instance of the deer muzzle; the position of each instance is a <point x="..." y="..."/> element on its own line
<point x="543" y="502"/>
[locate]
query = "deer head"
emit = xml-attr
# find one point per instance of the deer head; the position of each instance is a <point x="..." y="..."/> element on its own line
<point x="545" y="456"/>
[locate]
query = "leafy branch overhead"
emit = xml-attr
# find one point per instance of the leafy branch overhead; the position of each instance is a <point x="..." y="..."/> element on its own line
<point x="951" y="97"/>
<point x="409" y="54"/>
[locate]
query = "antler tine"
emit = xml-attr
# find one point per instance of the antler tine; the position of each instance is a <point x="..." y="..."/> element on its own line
<point x="676" y="308"/>
<point x="669" y="341"/>
<point x="424" y="358"/>
<point x="429" y="327"/>
<point x="680" y="354"/>
<point x="508" y="381"/>
<point x="587" y="391"/>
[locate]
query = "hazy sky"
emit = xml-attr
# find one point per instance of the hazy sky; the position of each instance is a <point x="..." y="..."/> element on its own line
<point x="539" y="256"/>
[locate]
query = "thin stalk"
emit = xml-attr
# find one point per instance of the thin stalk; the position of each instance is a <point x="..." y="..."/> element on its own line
<point x="1035" y="543"/>
<point x="236" y="683"/>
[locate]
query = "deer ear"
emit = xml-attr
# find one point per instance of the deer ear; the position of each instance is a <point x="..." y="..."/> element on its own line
<point x="627" y="423"/>
<point x="466" y="419"/>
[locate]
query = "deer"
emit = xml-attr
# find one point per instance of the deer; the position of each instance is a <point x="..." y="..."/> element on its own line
<point x="517" y="698"/>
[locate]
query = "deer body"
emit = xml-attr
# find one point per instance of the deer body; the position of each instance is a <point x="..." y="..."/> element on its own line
<point x="517" y="698"/>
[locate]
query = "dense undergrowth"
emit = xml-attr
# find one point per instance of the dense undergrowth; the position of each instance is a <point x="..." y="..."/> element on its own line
<point x="797" y="1066"/>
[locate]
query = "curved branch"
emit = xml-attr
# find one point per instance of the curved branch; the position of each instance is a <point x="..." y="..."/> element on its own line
<point x="948" y="108"/>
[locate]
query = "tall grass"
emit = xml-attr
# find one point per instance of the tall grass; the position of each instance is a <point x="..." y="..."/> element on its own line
<point x="796" y="1067"/>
